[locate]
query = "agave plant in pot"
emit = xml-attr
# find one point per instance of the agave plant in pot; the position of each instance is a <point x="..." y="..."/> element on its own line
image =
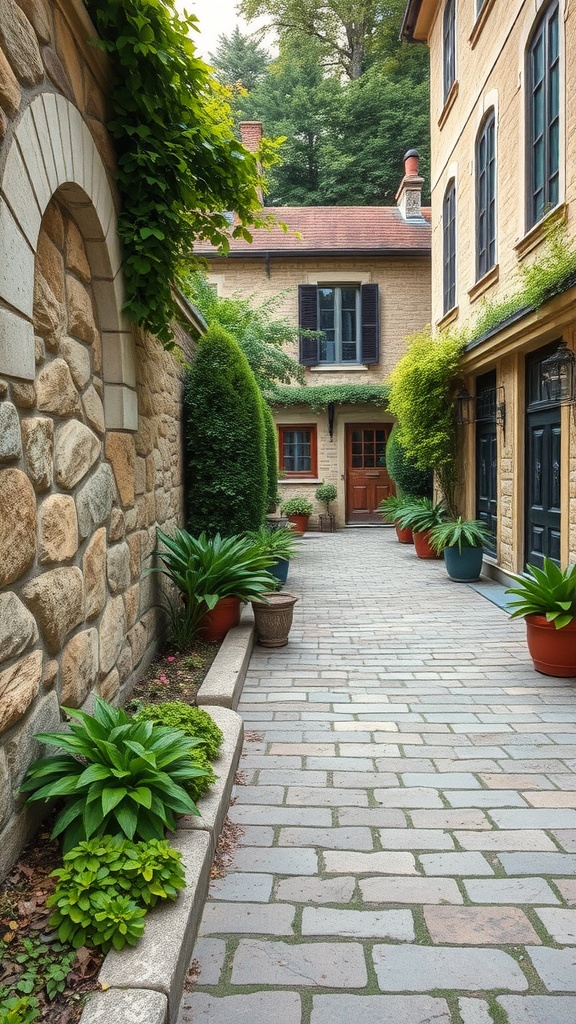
<point x="422" y="515"/>
<point x="390" y="509"/>
<point x="298" y="511"/>
<point x="462" y="541"/>
<point x="213" y="575"/>
<point x="546" y="598"/>
<point x="279" y="544"/>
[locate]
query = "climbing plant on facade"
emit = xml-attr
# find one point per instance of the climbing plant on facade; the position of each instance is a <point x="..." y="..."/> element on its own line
<point x="180" y="168"/>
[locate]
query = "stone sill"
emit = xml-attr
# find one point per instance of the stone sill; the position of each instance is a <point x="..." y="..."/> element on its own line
<point x="299" y="481"/>
<point x="539" y="232"/>
<point x="448" y="104"/>
<point x="448" y="318"/>
<point x="340" y="368"/>
<point x="480" y="22"/>
<point x="145" y="983"/>
<point x="486" y="281"/>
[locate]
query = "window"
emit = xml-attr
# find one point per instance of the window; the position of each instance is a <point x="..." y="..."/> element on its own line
<point x="486" y="196"/>
<point x="449" y="246"/>
<point x="449" y="47"/>
<point x="543" y="75"/>
<point x="344" y="319"/>
<point x="297" y="449"/>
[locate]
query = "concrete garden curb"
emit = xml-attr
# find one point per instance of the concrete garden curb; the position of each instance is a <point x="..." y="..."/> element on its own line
<point x="225" y="678"/>
<point x="144" y="984"/>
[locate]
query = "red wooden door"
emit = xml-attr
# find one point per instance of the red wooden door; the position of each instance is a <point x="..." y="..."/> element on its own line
<point x="367" y="479"/>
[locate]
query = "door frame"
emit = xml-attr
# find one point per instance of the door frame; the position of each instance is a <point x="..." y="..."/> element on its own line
<point x="361" y="424"/>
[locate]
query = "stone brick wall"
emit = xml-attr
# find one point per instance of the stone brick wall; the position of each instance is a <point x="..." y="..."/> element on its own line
<point x="90" y="454"/>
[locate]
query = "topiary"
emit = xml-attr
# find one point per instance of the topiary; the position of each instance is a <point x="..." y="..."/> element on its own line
<point x="409" y="479"/>
<point x="271" y="442"/>
<point x="189" y="719"/>
<point x="227" y="490"/>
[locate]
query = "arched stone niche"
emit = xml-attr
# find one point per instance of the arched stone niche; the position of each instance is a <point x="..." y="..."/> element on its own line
<point x="52" y="153"/>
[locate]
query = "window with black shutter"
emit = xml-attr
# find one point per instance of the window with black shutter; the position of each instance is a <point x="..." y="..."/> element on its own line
<point x="486" y="196"/>
<point x="543" y="132"/>
<point x="346" y="321"/>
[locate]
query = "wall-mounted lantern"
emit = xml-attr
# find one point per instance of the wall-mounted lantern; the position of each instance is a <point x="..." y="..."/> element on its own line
<point x="559" y="376"/>
<point x="490" y="404"/>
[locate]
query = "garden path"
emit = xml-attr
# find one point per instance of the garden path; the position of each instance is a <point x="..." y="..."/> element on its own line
<point x="409" y="811"/>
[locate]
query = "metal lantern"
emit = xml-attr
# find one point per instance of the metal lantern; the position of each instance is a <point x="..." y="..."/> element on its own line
<point x="465" y="407"/>
<point x="558" y="376"/>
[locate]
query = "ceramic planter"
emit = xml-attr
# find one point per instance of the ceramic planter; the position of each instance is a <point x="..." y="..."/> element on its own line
<point x="273" y="619"/>
<point x="404" y="534"/>
<point x="552" y="650"/>
<point x="422" y="545"/>
<point x="280" y="570"/>
<point x="224" y="615"/>
<point x="465" y="565"/>
<point x="300" y="523"/>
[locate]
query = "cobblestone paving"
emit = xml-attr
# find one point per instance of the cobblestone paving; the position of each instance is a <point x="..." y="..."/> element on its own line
<point x="409" y="811"/>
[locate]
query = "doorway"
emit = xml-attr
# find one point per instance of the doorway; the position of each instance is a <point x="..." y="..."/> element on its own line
<point x="543" y="448"/>
<point x="367" y="479"/>
<point x="487" y="456"/>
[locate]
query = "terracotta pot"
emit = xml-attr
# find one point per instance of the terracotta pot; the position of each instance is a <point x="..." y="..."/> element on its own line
<point x="404" y="535"/>
<point x="274" y="619"/>
<point x="421" y="543"/>
<point x="299" y="522"/>
<point x="552" y="650"/>
<point x="224" y="616"/>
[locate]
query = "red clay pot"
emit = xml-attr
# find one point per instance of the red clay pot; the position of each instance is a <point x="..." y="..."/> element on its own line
<point x="552" y="650"/>
<point x="404" y="535"/>
<point x="224" y="615"/>
<point x="421" y="543"/>
<point x="300" y="523"/>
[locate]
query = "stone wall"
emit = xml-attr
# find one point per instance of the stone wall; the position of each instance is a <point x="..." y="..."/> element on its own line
<point x="90" y="453"/>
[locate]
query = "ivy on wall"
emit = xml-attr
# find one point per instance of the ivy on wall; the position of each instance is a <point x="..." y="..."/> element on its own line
<point x="320" y="397"/>
<point x="179" y="166"/>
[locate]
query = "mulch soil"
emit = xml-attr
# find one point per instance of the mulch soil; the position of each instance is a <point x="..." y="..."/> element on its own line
<point x="24" y="915"/>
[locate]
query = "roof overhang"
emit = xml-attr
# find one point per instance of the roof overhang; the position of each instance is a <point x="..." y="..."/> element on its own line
<point x="417" y="21"/>
<point x="252" y="254"/>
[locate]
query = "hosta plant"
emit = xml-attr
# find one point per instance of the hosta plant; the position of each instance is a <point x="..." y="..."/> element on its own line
<point x="118" y="776"/>
<point x="547" y="591"/>
<point x="194" y="722"/>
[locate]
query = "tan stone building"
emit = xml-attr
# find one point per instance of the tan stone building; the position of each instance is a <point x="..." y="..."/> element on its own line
<point x="503" y="118"/>
<point x="358" y="278"/>
<point x="90" y="459"/>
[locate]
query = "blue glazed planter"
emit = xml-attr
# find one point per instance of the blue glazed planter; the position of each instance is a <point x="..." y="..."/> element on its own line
<point x="280" y="570"/>
<point x="464" y="566"/>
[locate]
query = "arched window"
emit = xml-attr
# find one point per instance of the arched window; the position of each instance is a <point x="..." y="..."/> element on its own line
<point x="486" y="196"/>
<point x="449" y="48"/>
<point x="449" y="246"/>
<point x="543" y="115"/>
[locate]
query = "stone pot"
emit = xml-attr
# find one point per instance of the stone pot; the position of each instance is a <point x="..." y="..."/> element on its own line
<point x="273" y="618"/>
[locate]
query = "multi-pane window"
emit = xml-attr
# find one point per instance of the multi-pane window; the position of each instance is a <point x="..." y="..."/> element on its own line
<point x="544" y="115"/>
<point x="449" y="47"/>
<point x="297" y="449"/>
<point x="486" y="196"/>
<point x="339" y="320"/>
<point x="449" y="246"/>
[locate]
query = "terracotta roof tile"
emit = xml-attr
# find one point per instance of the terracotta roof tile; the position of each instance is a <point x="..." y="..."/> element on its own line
<point x="334" y="229"/>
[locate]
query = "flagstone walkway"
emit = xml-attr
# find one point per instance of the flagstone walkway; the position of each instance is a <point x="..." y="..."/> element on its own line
<point x="408" y="805"/>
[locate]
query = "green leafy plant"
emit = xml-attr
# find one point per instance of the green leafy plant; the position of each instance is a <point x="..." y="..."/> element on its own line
<point x="421" y="515"/>
<point x="226" y="467"/>
<point x="105" y="887"/>
<point x="326" y="493"/>
<point x="271" y="445"/>
<point x="296" y="506"/>
<point x="391" y="508"/>
<point x="277" y="543"/>
<point x="42" y="967"/>
<point x="467" y="533"/>
<point x="320" y="396"/>
<point x="180" y="165"/>
<point x="409" y="479"/>
<point x="18" y="1009"/>
<point x="548" y="591"/>
<point x="189" y="719"/>
<point x="119" y="776"/>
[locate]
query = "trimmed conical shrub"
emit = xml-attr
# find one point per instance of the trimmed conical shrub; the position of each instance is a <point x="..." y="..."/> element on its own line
<point x="227" y="487"/>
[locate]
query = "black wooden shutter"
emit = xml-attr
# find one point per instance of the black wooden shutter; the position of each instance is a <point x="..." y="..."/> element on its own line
<point x="308" y="321"/>
<point x="370" y="324"/>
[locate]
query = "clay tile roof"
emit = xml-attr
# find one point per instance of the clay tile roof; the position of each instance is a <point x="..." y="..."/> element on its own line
<point x="335" y="229"/>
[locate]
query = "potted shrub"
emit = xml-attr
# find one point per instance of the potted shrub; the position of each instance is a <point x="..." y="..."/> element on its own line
<point x="298" y="511"/>
<point x="463" y="542"/>
<point x="390" y="509"/>
<point x="421" y="515"/>
<point x="273" y="618"/>
<point x="326" y="493"/>
<point x="547" y="600"/>
<point x="278" y="544"/>
<point x="213" y="575"/>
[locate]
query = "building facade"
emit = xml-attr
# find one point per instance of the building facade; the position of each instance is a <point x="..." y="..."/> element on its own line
<point x="503" y="127"/>
<point x="356" y="280"/>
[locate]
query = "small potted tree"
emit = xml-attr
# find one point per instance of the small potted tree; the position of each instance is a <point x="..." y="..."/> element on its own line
<point x="297" y="511"/>
<point x="327" y="493"/>
<point x="546" y="598"/>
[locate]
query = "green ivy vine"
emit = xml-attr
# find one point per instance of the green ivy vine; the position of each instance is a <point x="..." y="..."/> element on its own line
<point x="180" y="168"/>
<point x="320" y="397"/>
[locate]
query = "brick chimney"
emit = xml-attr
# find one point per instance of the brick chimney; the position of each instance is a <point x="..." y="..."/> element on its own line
<point x="409" y="195"/>
<point x="251" y="133"/>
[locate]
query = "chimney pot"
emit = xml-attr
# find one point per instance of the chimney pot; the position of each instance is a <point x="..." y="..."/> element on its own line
<point x="409" y="195"/>
<point x="411" y="163"/>
<point x="250" y="133"/>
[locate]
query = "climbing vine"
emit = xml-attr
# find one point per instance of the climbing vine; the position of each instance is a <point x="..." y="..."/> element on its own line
<point x="320" y="397"/>
<point x="180" y="168"/>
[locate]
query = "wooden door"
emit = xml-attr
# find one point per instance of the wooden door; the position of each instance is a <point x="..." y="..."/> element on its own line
<point x="367" y="479"/>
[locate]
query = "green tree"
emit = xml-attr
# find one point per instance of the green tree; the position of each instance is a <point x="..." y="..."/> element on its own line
<point x="239" y="60"/>
<point x="271" y="454"/>
<point x="227" y="486"/>
<point x="256" y="326"/>
<point x="409" y="479"/>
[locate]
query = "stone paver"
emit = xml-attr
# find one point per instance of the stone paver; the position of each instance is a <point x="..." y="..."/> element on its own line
<point x="409" y="811"/>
